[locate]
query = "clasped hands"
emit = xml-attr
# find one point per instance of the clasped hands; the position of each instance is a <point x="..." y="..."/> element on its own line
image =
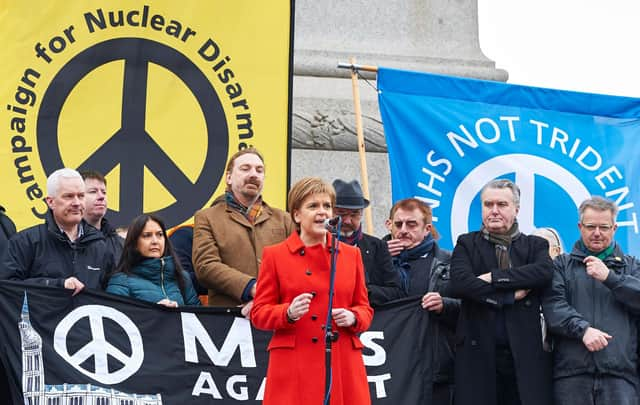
<point x="300" y="306"/>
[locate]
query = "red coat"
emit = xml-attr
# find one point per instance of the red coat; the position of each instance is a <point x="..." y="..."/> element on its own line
<point x="296" y="370"/>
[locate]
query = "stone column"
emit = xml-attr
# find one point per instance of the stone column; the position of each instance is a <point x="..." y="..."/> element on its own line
<point x="439" y="36"/>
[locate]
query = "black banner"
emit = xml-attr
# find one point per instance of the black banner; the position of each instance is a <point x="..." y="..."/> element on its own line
<point x="95" y="346"/>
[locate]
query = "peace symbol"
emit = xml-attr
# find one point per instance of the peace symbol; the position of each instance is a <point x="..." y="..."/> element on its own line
<point x="131" y="146"/>
<point x="525" y="167"/>
<point x="98" y="347"/>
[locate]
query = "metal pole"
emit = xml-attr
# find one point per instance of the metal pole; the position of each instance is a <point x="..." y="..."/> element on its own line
<point x="354" y="66"/>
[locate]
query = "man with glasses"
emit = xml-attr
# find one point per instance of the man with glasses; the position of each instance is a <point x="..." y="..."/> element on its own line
<point x="383" y="281"/>
<point x="425" y="273"/>
<point x="591" y="309"/>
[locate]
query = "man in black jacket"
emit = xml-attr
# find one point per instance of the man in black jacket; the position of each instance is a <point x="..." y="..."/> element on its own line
<point x="7" y="230"/>
<point x="425" y="273"/>
<point x="499" y="273"/>
<point x="591" y="309"/>
<point x="95" y="208"/>
<point x="383" y="281"/>
<point x="64" y="251"/>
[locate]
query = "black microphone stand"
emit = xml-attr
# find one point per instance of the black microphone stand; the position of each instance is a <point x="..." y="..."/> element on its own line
<point x="330" y="336"/>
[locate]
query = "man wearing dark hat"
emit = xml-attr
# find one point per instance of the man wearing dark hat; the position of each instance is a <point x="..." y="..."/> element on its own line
<point x="383" y="281"/>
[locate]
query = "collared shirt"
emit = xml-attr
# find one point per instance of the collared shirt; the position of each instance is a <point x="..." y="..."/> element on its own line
<point x="80" y="231"/>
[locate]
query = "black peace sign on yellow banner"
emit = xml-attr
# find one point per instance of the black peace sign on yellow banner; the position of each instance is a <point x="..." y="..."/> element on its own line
<point x="156" y="96"/>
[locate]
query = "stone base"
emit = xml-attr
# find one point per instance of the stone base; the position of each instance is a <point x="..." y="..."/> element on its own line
<point x="331" y="165"/>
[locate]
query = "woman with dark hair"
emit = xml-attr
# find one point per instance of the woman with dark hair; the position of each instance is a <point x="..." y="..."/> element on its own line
<point x="292" y="297"/>
<point x="148" y="268"/>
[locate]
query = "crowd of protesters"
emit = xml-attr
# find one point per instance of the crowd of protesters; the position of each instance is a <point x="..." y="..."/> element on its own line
<point x="513" y="318"/>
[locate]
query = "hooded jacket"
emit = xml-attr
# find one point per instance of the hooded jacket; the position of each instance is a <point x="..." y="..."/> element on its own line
<point x="576" y="301"/>
<point x="44" y="254"/>
<point x="152" y="280"/>
<point x="115" y="242"/>
<point x="7" y="230"/>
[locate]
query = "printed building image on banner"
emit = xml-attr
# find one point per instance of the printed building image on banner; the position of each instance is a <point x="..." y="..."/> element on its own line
<point x="36" y="391"/>
<point x="448" y="136"/>
<point x="96" y="348"/>
<point x="156" y="95"/>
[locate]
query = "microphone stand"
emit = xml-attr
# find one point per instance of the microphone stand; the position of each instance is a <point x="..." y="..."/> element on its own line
<point x="330" y="336"/>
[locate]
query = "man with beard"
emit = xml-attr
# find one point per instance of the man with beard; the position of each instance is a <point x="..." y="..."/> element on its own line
<point x="425" y="273"/>
<point x="500" y="273"/>
<point x="95" y="208"/>
<point x="383" y="281"/>
<point x="229" y="236"/>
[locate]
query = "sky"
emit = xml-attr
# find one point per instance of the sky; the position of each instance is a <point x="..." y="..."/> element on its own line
<point x="587" y="45"/>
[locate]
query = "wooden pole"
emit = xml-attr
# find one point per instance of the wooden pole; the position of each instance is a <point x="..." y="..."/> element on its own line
<point x="361" y="149"/>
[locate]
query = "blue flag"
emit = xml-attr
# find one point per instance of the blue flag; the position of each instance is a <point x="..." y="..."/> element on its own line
<point x="449" y="136"/>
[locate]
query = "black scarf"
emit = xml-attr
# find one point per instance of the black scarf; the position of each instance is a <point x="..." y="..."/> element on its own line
<point x="401" y="261"/>
<point x="502" y="242"/>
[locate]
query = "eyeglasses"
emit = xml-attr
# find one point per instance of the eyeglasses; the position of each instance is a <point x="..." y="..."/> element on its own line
<point x="593" y="227"/>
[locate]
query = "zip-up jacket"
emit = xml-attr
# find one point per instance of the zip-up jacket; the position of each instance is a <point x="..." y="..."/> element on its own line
<point x="442" y="326"/>
<point x="115" y="242"/>
<point x="442" y="331"/>
<point x="44" y="254"/>
<point x="7" y="230"/>
<point x="152" y="280"/>
<point x="576" y="301"/>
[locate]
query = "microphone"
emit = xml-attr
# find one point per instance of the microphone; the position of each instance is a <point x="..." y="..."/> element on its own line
<point x="333" y="223"/>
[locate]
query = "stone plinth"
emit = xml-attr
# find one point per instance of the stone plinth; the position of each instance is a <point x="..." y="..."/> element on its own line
<point x="439" y="36"/>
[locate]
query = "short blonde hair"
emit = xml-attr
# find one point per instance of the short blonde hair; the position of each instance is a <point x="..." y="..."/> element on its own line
<point x="304" y="188"/>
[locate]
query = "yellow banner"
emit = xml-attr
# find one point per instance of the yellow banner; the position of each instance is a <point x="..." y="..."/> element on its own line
<point x="155" y="95"/>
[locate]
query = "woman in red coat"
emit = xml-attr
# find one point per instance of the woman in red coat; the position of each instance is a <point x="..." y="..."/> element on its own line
<point x="291" y="299"/>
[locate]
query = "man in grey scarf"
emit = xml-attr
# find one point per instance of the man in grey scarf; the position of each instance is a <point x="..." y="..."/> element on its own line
<point x="499" y="273"/>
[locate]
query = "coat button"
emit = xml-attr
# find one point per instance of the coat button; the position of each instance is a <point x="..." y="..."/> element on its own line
<point x="308" y="272"/>
<point x="527" y="303"/>
<point x="301" y="252"/>
<point x="314" y="339"/>
<point x="314" y="317"/>
<point x="474" y="343"/>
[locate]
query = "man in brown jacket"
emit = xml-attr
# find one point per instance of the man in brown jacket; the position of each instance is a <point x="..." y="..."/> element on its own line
<point x="229" y="236"/>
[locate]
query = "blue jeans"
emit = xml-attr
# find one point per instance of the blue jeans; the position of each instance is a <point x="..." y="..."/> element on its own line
<point x="590" y="389"/>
